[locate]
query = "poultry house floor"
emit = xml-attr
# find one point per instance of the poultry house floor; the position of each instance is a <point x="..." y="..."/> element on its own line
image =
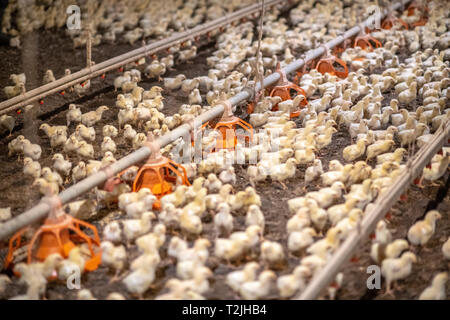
<point x="16" y="192"/>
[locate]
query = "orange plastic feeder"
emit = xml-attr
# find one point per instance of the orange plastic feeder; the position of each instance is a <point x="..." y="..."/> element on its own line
<point x="159" y="174"/>
<point x="417" y="5"/>
<point x="332" y="65"/>
<point x="392" y="20"/>
<point x="287" y="90"/>
<point x="60" y="233"/>
<point x="366" y="42"/>
<point x="227" y="126"/>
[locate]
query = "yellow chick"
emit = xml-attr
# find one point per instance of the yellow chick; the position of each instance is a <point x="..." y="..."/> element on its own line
<point x="174" y="83"/>
<point x="421" y="231"/>
<point x="198" y="206"/>
<point x="133" y="228"/>
<point x="235" y="279"/>
<point x="31" y="168"/>
<point x="437" y="169"/>
<point x="259" y="289"/>
<point x="378" y="148"/>
<point x="272" y="253"/>
<point x="108" y="145"/>
<point x="289" y="285"/>
<point x="190" y="223"/>
<point x="355" y="151"/>
<point x="446" y="249"/>
<point x="255" y="217"/>
<point x="298" y="240"/>
<point x="397" y="268"/>
<point x="223" y="220"/>
<point x="114" y="257"/>
<point x="395" y="156"/>
<point x="85" y="150"/>
<point x="437" y="289"/>
<point x="91" y="118"/>
<point x="326" y="196"/>
<point x="79" y="172"/>
<point x="305" y="156"/>
<point x="379" y="252"/>
<point x="382" y="233"/>
<point x="299" y="221"/>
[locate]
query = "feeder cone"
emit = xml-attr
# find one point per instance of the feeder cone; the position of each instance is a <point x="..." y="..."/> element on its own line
<point x="285" y="90"/>
<point x="366" y="42"/>
<point x="329" y="64"/>
<point x="227" y="126"/>
<point x="159" y="174"/>
<point x="392" y="20"/>
<point x="60" y="233"/>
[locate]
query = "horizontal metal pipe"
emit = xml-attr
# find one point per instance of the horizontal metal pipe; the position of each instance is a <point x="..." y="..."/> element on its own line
<point x="134" y="55"/>
<point x="388" y="198"/>
<point x="38" y="212"/>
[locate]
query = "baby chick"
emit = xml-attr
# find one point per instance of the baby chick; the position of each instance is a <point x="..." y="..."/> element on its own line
<point x="195" y="97"/>
<point x="382" y="233"/>
<point x="355" y="151"/>
<point x="235" y="279"/>
<point x="379" y="252"/>
<point x="437" y="289"/>
<point x="48" y="77"/>
<point x="298" y="240"/>
<point x="313" y="172"/>
<point x="446" y="249"/>
<point x="108" y="145"/>
<point x="31" y="168"/>
<point x="397" y="268"/>
<point x="73" y="115"/>
<point x="133" y="228"/>
<point x="79" y="172"/>
<point x="421" y="231"/>
<point x="8" y="123"/>
<point x="91" y="118"/>
<point x="85" y="150"/>
<point x="288" y="285"/>
<point x="272" y="253"/>
<point x="112" y="232"/>
<point x="260" y="288"/>
<point x="61" y="165"/>
<point x="378" y="148"/>
<point x="228" y="176"/>
<point x="114" y="257"/>
<point x="255" y="217"/>
<point x="110" y="131"/>
<point x="223" y="220"/>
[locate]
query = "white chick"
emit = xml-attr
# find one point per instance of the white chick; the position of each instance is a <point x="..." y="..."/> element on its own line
<point x="397" y="268"/>
<point x="446" y="249"/>
<point x="195" y="97"/>
<point x="31" y="168"/>
<point x="255" y="217"/>
<point x="254" y="290"/>
<point x="73" y="115"/>
<point x="112" y="232"/>
<point x="228" y="176"/>
<point x="108" y="145"/>
<point x="133" y="228"/>
<point x="382" y="233"/>
<point x="290" y="284"/>
<point x="272" y="252"/>
<point x="298" y="240"/>
<point x="223" y="220"/>
<point x="61" y="165"/>
<point x="421" y="231"/>
<point x="110" y="131"/>
<point x="313" y="172"/>
<point x="235" y="279"/>
<point x="437" y="289"/>
<point x="114" y="257"/>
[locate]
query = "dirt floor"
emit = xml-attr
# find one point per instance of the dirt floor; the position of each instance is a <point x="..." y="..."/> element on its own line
<point x="15" y="191"/>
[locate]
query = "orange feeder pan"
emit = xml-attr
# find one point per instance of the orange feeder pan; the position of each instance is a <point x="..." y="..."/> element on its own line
<point x="392" y="20"/>
<point x="284" y="89"/>
<point x="416" y="5"/>
<point x="330" y="64"/>
<point x="60" y="233"/>
<point x="159" y="174"/>
<point x="367" y="42"/>
<point x="227" y="126"/>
